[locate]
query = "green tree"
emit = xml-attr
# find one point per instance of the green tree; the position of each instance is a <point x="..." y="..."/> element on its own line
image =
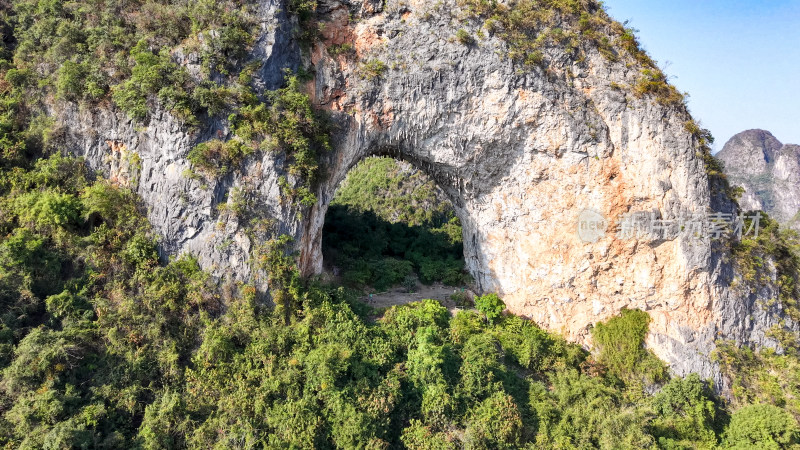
<point x="686" y="415"/>
<point x="762" y="426"/>
<point x="491" y="306"/>
<point x="494" y="423"/>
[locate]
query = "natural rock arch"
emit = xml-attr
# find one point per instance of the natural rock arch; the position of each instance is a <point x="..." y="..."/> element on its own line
<point x="521" y="154"/>
<point x="312" y="263"/>
<point x="519" y="150"/>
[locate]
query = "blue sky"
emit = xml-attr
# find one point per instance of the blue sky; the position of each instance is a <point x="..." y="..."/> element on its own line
<point x="739" y="60"/>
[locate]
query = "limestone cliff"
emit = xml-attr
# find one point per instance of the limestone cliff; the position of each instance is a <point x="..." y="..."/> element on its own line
<point x="520" y="148"/>
<point x="769" y="172"/>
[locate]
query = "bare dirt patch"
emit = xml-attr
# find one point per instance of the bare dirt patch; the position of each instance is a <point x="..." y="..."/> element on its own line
<point x="399" y="296"/>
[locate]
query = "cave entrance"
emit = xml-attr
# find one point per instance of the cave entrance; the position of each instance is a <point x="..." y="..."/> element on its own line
<point x="391" y="229"/>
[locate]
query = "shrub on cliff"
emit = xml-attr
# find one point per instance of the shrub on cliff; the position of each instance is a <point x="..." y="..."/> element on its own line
<point x="153" y="74"/>
<point x="217" y="157"/>
<point x="654" y="82"/>
<point x="620" y="342"/>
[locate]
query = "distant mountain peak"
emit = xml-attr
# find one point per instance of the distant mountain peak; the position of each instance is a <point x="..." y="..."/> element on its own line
<point x="769" y="172"/>
<point x="750" y="152"/>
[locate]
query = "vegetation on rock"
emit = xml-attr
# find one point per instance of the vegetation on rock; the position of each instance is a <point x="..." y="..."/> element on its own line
<point x="620" y="342"/>
<point x="84" y="51"/>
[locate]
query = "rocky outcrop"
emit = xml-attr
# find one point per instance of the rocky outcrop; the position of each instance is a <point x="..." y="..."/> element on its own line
<point x="520" y="151"/>
<point x="768" y="171"/>
<point x="184" y="209"/>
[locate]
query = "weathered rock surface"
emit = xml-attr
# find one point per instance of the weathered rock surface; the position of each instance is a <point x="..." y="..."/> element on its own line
<point x="520" y="152"/>
<point x="768" y="171"/>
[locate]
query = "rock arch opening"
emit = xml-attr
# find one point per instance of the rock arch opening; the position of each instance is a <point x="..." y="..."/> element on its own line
<point x="391" y="227"/>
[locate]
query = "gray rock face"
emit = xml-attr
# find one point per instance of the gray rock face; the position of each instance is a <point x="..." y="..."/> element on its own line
<point x="750" y="152"/>
<point x="768" y="171"/>
<point x="519" y="152"/>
